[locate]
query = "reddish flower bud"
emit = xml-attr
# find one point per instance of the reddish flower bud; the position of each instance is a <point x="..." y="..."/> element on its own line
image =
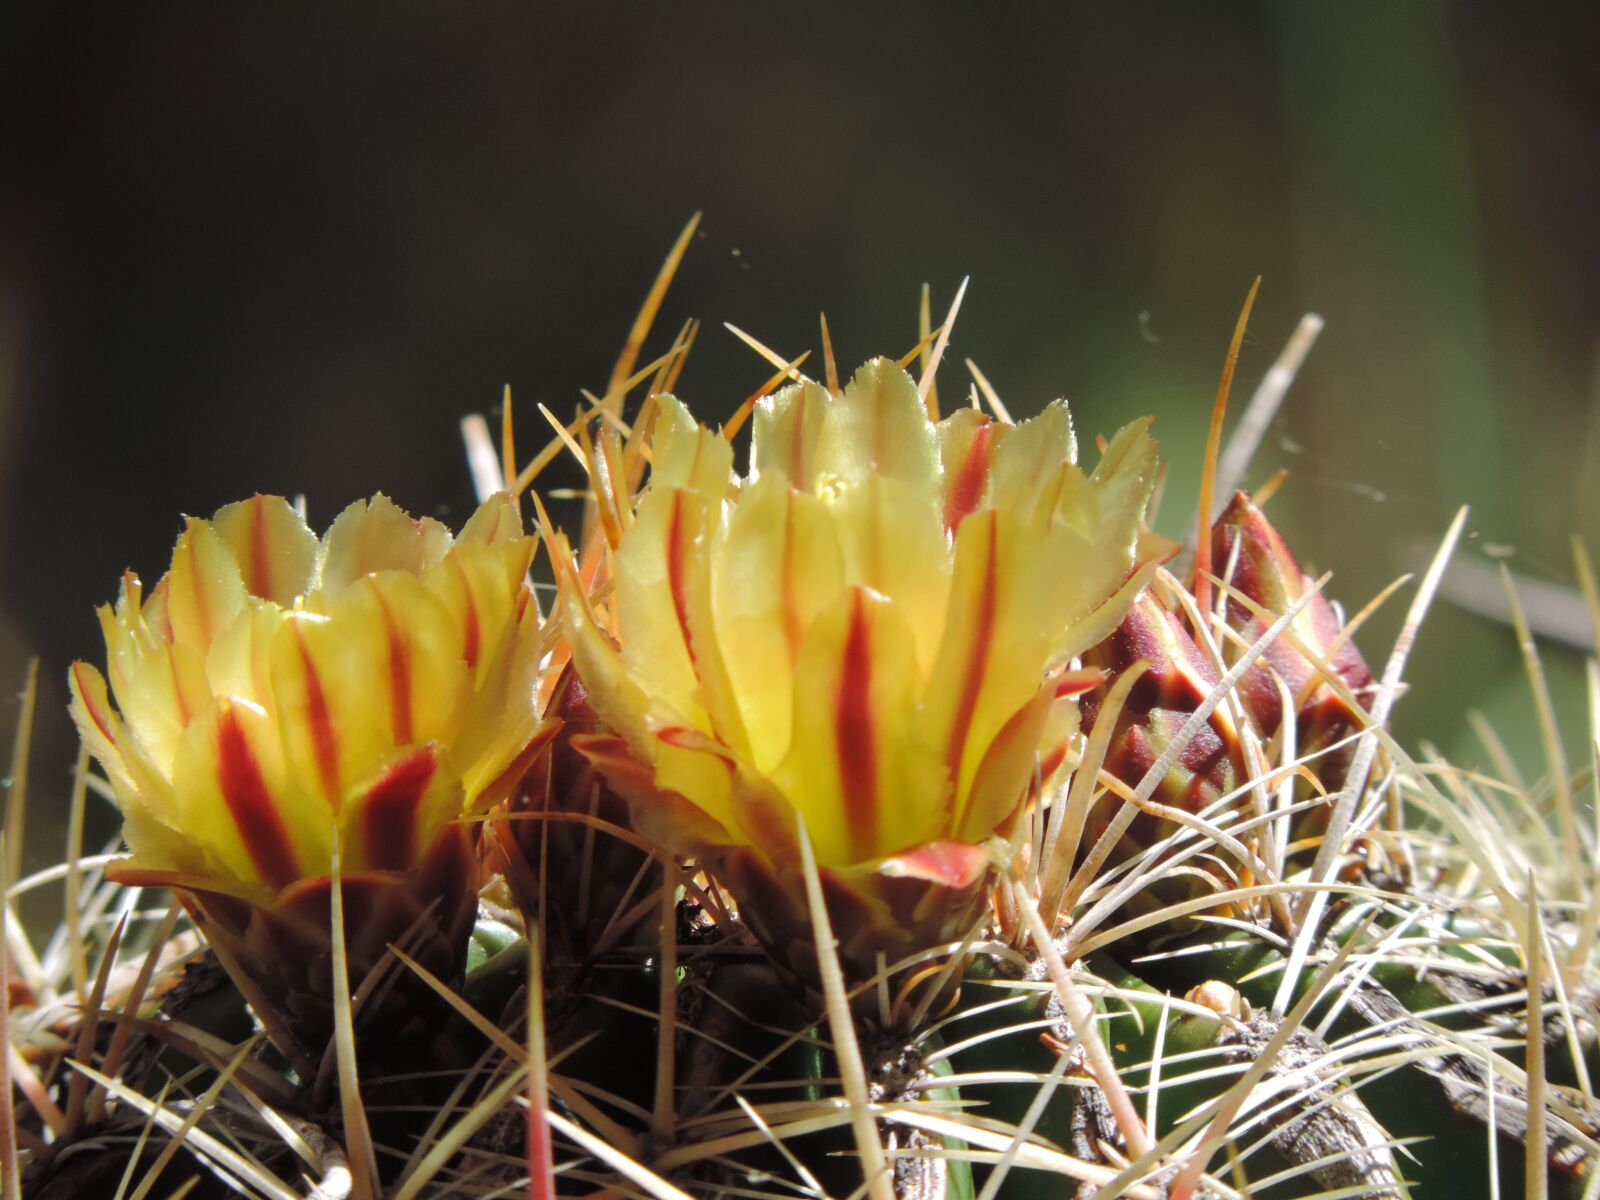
<point x="1266" y="574"/>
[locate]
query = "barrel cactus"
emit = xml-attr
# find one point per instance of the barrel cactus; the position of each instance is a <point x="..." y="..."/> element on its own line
<point x="896" y="816"/>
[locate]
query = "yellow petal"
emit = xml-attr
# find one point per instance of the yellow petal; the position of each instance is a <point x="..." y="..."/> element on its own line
<point x="379" y="669"/>
<point x="159" y="684"/>
<point x="697" y="767"/>
<point x="480" y="583"/>
<point x="497" y="521"/>
<point x="688" y="455"/>
<point x="151" y="616"/>
<point x="503" y="715"/>
<point x="893" y="537"/>
<point x="968" y="441"/>
<point x="1027" y="463"/>
<point x="664" y="817"/>
<point x="1006" y="774"/>
<point x="664" y="578"/>
<point x="765" y="817"/>
<point x="1123" y="480"/>
<point x="963" y="666"/>
<point x="1037" y="582"/>
<point x="377" y="536"/>
<point x="776" y="567"/>
<point x="1109" y="545"/>
<point x="422" y="678"/>
<point x="1005" y="616"/>
<point x="394" y="816"/>
<point x="204" y="589"/>
<point x="674" y="749"/>
<point x="274" y="549"/>
<point x="617" y="698"/>
<point x="239" y="662"/>
<point x="784" y="433"/>
<point x="654" y="565"/>
<point x="1096" y="625"/>
<point x="857" y="767"/>
<point x="133" y="775"/>
<point x="126" y="634"/>
<point x="879" y="427"/>
<point x="156" y="847"/>
<point x="161" y="692"/>
<point x="98" y="723"/>
<point x="234" y="798"/>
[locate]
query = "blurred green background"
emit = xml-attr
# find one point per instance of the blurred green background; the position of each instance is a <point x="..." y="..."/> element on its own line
<point x="284" y="248"/>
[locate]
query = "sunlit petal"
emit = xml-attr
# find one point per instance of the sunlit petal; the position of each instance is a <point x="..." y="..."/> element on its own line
<point x="377" y="535"/>
<point x="204" y="587"/>
<point x="856" y="768"/>
<point x="777" y="566"/>
<point x="275" y="550"/>
<point x="879" y="427"/>
<point x="784" y="433"/>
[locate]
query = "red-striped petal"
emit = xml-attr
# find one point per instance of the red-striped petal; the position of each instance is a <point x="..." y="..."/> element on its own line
<point x="855" y="735"/>
<point x="251" y="804"/>
<point x="389" y="812"/>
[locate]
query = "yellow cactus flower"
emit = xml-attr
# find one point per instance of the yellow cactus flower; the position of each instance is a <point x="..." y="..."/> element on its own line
<point x="276" y="693"/>
<point x="872" y="628"/>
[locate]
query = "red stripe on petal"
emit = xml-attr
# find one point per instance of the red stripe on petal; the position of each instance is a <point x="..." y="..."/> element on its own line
<point x="197" y="588"/>
<point x="154" y="614"/>
<point x="399" y="673"/>
<point x="89" y="706"/>
<point x="472" y="633"/>
<point x="177" y="690"/>
<point x="251" y="805"/>
<point x="977" y="658"/>
<point x="324" y="741"/>
<point x="967" y="488"/>
<point x="797" y="447"/>
<point x="854" y="736"/>
<point x="676" y="550"/>
<point x="260" y="581"/>
<point x="389" y="816"/>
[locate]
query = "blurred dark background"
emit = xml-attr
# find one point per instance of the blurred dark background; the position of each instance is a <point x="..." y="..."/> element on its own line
<point x="285" y="248"/>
